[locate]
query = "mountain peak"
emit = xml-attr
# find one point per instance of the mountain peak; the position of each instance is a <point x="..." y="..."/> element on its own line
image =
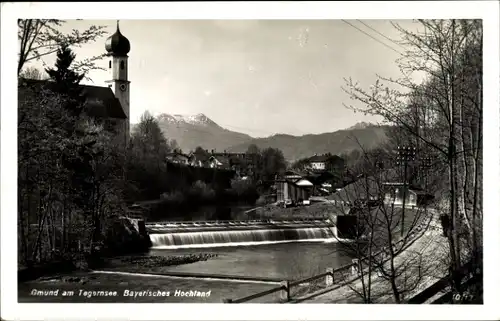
<point x="198" y="119"/>
<point x="360" y="125"/>
<point x="191" y="131"/>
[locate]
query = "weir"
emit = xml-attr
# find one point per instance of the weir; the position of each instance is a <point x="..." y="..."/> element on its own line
<point x="238" y="233"/>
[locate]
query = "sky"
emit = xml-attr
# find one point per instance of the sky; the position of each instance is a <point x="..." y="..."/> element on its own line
<point x="259" y="77"/>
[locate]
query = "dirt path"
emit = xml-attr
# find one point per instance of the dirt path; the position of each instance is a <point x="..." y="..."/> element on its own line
<point x="421" y="260"/>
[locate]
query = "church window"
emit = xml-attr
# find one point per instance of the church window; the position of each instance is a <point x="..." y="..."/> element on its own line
<point x="122" y="64"/>
<point x="110" y="64"/>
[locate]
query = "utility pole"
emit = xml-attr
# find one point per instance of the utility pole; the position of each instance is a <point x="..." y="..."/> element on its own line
<point x="425" y="166"/>
<point x="380" y="167"/>
<point x="405" y="155"/>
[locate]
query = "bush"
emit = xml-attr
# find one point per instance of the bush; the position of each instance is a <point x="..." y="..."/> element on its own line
<point x="201" y="192"/>
<point x="176" y="197"/>
<point x="244" y="189"/>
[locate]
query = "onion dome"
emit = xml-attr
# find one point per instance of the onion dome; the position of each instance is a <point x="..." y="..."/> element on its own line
<point x="117" y="44"/>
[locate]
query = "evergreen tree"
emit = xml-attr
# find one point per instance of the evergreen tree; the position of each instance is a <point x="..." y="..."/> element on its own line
<point x="66" y="80"/>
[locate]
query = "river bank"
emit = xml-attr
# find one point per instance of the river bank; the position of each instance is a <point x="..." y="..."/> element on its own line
<point x="68" y="271"/>
<point x="290" y="261"/>
<point x="111" y="288"/>
<point x="315" y="210"/>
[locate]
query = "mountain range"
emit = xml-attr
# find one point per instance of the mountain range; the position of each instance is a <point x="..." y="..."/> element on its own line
<point x="191" y="131"/>
<point x="198" y="130"/>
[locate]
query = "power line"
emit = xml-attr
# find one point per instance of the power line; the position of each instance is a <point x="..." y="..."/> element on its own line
<point x="381" y="34"/>
<point x="350" y="24"/>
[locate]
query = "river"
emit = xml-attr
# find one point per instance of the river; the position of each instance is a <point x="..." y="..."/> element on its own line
<point x="292" y="261"/>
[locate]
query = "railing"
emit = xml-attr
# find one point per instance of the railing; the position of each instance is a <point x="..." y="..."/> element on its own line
<point x="269" y="221"/>
<point x="347" y="273"/>
<point x="286" y="287"/>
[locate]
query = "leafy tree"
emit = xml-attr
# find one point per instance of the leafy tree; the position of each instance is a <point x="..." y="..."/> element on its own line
<point x="253" y="150"/>
<point x="149" y="136"/>
<point x="201" y="153"/>
<point x="300" y="164"/>
<point x="146" y="162"/>
<point x="273" y="163"/>
<point x="69" y="170"/>
<point x="172" y="143"/>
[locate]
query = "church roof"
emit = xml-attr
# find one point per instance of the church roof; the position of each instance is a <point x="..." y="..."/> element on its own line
<point x="100" y="101"/>
<point x="117" y="44"/>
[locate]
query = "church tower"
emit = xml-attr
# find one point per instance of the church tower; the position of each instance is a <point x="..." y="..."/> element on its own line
<point x="118" y="47"/>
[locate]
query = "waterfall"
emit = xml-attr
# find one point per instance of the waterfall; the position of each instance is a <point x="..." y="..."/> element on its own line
<point x="240" y="237"/>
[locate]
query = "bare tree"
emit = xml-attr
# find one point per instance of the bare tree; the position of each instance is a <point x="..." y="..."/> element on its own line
<point x="376" y="241"/>
<point x="443" y="115"/>
<point x="41" y="37"/>
<point x="33" y="73"/>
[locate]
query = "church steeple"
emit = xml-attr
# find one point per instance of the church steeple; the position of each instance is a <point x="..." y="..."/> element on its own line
<point x="117" y="44"/>
<point x="118" y="47"/>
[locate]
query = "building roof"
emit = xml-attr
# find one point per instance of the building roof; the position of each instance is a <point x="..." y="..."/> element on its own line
<point x="117" y="44"/>
<point x="359" y="189"/>
<point x="290" y="173"/>
<point x="223" y="160"/>
<point x="100" y="101"/>
<point x="177" y="155"/>
<point x="303" y="182"/>
<point x="318" y="158"/>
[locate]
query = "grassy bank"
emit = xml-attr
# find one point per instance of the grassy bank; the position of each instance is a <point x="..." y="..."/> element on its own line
<point x="315" y="210"/>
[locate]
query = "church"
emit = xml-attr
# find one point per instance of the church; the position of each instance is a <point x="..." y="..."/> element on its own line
<point x="118" y="47"/>
<point x="110" y="104"/>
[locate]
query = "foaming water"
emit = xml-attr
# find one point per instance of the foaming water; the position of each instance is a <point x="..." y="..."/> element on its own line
<point x="240" y="238"/>
<point x="194" y="246"/>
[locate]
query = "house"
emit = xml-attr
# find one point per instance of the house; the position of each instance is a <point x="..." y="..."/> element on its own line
<point x="199" y="159"/>
<point x="178" y="158"/>
<point x="194" y="161"/>
<point x="238" y="162"/>
<point x="395" y="193"/>
<point x="293" y="189"/>
<point x="318" y="162"/>
<point x="221" y="162"/>
<point x="383" y="187"/>
<point x="326" y="162"/>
